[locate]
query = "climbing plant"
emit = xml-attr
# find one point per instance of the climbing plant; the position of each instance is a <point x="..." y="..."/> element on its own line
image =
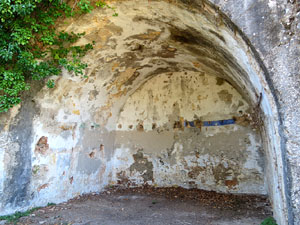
<point x="31" y="47"/>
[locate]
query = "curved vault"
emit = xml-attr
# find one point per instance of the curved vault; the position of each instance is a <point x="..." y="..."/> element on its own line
<point x="185" y="55"/>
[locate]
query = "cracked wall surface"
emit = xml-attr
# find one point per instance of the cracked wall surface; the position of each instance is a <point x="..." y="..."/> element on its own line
<point x="160" y="74"/>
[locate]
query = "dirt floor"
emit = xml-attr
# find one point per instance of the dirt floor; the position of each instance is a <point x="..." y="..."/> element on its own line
<point x="155" y="206"/>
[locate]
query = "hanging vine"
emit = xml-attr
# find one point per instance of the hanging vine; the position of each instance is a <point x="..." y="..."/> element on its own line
<point x="31" y="48"/>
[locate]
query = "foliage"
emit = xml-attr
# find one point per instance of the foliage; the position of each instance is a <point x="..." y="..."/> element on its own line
<point x="105" y="5"/>
<point x="31" y="48"/>
<point x="85" y="6"/>
<point x="269" y="221"/>
<point x="13" y="218"/>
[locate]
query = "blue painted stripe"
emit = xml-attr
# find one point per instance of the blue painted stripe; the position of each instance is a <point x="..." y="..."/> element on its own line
<point x="192" y="124"/>
<point x="218" y="123"/>
<point x="210" y="123"/>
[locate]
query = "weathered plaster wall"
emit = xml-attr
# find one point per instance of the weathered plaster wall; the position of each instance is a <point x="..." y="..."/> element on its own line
<point x="222" y="158"/>
<point x="69" y="139"/>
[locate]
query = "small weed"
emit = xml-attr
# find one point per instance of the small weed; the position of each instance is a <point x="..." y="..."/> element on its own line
<point x="51" y="204"/>
<point x="35" y="169"/>
<point x="50" y="83"/>
<point x="101" y="4"/>
<point x="13" y="218"/>
<point x="154" y="202"/>
<point x="269" y="221"/>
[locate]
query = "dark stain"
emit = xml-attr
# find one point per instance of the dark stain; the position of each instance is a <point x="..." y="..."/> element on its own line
<point x="220" y="81"/>
<point x="154" y="126"/>
<point x="192" y="184"/>
<point x="18" y="176"/>
<point x="123" y="179"/>
<point x="240" y="103"/>
<point x="93" y="93"/>
<point x="184" y="36"/>
<point x="151" y="35"/>
<point x="129" y="59"/>
<point x="210" y="54"/>
<point x="142" y="165"/>
<point x="172" y="67"/>
<point x="132" y="78"/>
<point x="166" y="52"/>
<point x="145" y="20"/>
<point x="195" y="171"/>
<point x="225" y="96"/>
<point x="217" y="35"/>
<point x="221" y="173"/>
<point x="115" y="29"/>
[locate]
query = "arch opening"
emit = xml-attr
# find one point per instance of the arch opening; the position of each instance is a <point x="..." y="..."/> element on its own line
<point x="175" y="95"/>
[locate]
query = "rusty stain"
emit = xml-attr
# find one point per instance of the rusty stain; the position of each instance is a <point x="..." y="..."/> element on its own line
<point x="122" y="78"/>
<point x="76" y="112"/>
<point x="119" y="94"/>
<point x="92" y="155"/>
<point x="196" y="64"/>
<point x="101" y="147"/>
<point x="177" y="125"/>
<point x="198" y="124"/>
<point x="42" y="187"/>
<point x="151" y="35"/>
<point x="231" y="183"/>
<point x="123" y="179"/>
<point x="244" y="120"/>
<point x="42" y="146"/>
<point x="114" y="66"/>
<point x="106" y="107"/>
<point x="71" y="179"/>
<point x="140" y="127"/>
<point x="66" y="127"/>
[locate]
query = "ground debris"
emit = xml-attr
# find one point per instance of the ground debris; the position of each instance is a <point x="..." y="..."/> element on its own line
<point x="154" y="205"/>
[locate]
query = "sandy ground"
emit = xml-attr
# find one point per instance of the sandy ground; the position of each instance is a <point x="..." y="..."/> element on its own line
<point x="155" y="206"/>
